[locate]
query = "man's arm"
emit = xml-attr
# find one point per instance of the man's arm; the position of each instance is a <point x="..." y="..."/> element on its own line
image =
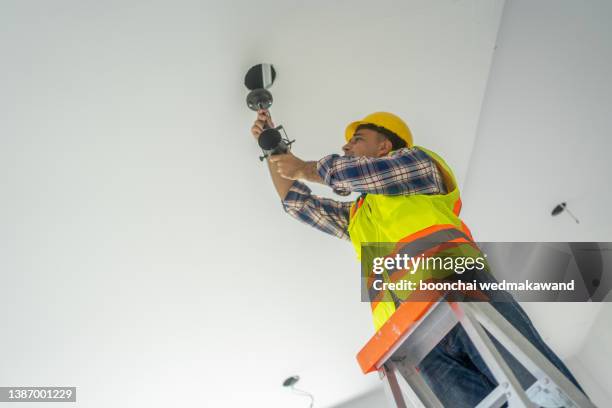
<point x="326" y="215"/>
<point x="406" y="171"/>
<point x="281" y="184"/>
<point x="291" y="167"/>
<point x="329" y="216"/>
<point x="403" y="172"/>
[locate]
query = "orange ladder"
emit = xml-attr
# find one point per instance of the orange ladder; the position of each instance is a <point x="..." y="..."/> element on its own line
<point x="417" y="327"/>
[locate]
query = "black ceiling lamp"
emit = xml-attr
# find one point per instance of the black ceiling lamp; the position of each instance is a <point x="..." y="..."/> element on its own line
<point x="258" y="79"/>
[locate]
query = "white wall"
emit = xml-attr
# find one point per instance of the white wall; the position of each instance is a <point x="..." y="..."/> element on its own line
<point x="544" y="136"/>
<point x="593" y="361"/>
<point x="544" y="129"/>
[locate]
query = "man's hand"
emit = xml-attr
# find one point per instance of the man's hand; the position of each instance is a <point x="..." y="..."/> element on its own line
<point x="289" y="166"/>
<point x="263" y="116"/>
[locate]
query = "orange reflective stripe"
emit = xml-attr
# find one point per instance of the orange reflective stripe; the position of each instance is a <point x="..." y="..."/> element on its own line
<point x="357" y="205"/>
<point x="426" y="231"/>
<point x="457" y="207"/>
<point x="467" y="230"/>
<point x="457" y="210"/>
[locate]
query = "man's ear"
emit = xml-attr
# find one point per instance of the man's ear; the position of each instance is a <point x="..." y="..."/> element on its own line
<point x="385" y="147"/>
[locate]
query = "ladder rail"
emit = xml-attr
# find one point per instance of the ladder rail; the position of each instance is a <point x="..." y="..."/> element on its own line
<point x="527" y="354"/>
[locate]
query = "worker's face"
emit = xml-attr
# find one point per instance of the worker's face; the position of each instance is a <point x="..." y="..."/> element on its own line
<point x="367" y="143"/>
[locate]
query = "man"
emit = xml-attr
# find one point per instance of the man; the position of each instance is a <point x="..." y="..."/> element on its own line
<point x="408" y="195"/>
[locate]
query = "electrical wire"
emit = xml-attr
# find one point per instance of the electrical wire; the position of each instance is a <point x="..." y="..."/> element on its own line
<point x="303" y="394"/>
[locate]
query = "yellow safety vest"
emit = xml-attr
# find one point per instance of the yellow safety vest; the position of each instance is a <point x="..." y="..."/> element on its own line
<point x="409" y="220"/>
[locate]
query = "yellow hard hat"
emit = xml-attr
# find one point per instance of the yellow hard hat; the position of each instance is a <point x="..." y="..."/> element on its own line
<point x="383" y="119"/>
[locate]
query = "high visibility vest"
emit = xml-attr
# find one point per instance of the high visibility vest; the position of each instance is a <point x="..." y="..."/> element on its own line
<point x="410" y="221"/>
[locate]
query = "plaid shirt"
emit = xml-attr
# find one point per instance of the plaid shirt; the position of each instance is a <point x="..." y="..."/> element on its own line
<point x="405" y="171"/>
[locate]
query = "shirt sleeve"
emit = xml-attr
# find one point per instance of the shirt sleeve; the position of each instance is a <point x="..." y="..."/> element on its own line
<point x="405" y="171"/>
<point x="324" y="214"/>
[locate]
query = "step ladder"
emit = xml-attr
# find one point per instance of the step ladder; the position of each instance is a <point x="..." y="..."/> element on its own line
<point x="417" y="327"/>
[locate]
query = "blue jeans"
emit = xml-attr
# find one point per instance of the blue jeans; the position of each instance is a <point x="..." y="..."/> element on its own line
<point x="458" y="375"/>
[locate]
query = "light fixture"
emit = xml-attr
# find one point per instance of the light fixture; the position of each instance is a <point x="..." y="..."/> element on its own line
<point x="563" y="207"/>
<point x="258" y="78"/>
<point x="291" y="381"/>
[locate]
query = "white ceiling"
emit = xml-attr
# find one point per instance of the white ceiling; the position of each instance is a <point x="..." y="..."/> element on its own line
<point x="145" y="257"/>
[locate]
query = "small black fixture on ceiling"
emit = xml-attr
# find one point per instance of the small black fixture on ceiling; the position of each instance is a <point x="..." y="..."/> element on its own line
<point x="563" y="207"/>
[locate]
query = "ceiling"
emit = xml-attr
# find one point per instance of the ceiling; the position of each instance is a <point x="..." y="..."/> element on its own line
<point x="146" y="259"/>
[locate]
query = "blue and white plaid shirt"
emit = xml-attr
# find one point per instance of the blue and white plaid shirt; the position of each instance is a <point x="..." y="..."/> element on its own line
<point x="405" y="171"/>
